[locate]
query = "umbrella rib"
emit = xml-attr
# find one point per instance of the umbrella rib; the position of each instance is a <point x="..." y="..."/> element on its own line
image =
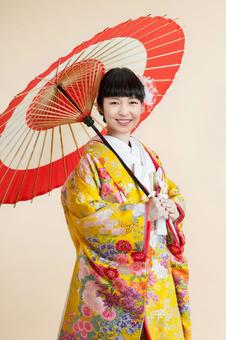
<point x="165" y="44"/>
<point x="106" y="44"/>
<point x="165" y="54"/>
<point x="121" y="41"/>
<point x="16" y="169"/>
<point x="25" y="173"/>
<point x="12" y="128"/>
<point x="95" y="42"/>
<point x="39" y="162"/>
<point x="18" y="139"/>
<point x="131" y="41"/>
<point x="74" y="139"/>
<point x="98" y="122"/>
<point x="62" y="152"/>
<point x="85" y="130"/>
<point x="21" y="105"/>
<point x="161" y="66"/>
<point x="64" y="104"/>
<point x="79" y="103"/>
<point x="50" y="162"/>
<point x="52" y="112"/>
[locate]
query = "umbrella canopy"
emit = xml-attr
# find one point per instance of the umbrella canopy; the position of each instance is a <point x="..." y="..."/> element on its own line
<point x="42" y="130"/>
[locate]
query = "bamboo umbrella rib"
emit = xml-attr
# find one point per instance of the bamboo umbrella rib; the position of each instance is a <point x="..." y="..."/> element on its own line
<point x="72" y="87"/>
<point x="74" y="139"/>
<point x="79" y="103"/>
<point x="95" y="41"/>
<point x="131" y="41"/>
<point x="120" y="41"/>
<point x="64" y="104"/>
<point x="51" y="158"/>
<point x="38" y="165"/>
<point x="162" y="80"/>
<point x="82" y="87"/>
<point x="25" y="172"/>
<point x="53" y="112"/>
<point x="165" y="44"/>
<point x="22" y="106"/>
<point x="98" y="122"/>
<point x="162" y="66"/>
<point x="164" y="35"/>
<point x="88" y="54"/>
<point x="46" y="79"/>
<point x="14" y="145"/>
<point x="121" y="54"/>
<point x="158" y="28"/>
<point x="124" y="32"/>
<point x="57" y="69"/>
<point x="165" y="54"/>
<point x="16" y="169"/>
<point x="62" y="152"/>
<point x="85" y="130"/>
<point x="76" y="60"/>
<point x="19" y="123"/>
<point x="96" y="72"/>
<point x="86" y="85"/>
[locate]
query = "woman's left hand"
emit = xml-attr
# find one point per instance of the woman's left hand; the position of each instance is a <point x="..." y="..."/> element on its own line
<point x="169" y="205"/>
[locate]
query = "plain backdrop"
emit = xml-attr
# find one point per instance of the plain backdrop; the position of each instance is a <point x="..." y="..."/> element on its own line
<point x="187" y="130"/>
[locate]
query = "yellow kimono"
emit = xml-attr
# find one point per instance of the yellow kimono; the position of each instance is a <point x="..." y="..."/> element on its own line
<point x="120" y="284"/>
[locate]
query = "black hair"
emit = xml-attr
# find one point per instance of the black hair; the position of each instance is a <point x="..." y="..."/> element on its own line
<point x="120" y="82"/>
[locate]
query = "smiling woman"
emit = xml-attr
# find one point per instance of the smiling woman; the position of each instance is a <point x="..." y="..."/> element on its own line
<point x="130" y="277"/>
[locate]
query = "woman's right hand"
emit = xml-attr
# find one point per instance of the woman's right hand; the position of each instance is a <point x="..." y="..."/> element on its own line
<point x="157" y="209"/>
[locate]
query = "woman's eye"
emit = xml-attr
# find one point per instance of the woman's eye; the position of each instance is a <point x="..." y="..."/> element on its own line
<point x="133" y="102"/>
<point x="113" y="102"/>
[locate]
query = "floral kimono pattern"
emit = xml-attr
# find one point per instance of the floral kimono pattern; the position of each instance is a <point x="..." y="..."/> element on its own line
<point x="120" y="283"/>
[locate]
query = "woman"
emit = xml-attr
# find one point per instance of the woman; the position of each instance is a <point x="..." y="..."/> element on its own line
<point x="130" y="277"/>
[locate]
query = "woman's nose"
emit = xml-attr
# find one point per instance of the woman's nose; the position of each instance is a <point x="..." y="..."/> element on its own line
<point x="124" y="110"/>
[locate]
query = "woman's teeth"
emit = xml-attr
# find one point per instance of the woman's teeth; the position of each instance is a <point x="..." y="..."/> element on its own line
<point x="123" y="121"/>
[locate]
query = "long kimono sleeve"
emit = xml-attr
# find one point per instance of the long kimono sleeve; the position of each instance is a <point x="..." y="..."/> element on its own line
<point x="89" y="212"/>
<point x="179" y="265"/>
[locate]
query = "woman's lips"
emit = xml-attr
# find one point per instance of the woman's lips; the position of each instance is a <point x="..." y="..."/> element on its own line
<point x="123" y="122"/>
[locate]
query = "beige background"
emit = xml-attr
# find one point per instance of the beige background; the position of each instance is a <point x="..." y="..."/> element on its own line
<point x="186" y="129"/>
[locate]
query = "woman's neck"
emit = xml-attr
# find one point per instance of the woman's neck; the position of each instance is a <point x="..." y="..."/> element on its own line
<point x="123" y="137"/>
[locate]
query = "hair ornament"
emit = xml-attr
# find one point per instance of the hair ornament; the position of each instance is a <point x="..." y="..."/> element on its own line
<point x="150" y="91"/>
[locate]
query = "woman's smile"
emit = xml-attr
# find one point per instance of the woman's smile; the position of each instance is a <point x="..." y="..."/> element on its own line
<point x="122" y="114"/>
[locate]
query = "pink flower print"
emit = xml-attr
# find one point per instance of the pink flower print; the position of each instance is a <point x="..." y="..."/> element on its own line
<point x="137" y="268"/>
<point x="86" y="311"/>
<point x="83" y="269"/>
<point x="91" y="299"/>
<point x="103" y="173"/>
<point x="152" y="279"/>
<point x="82" y="327"/>
<point x="106" y="189"/>
<point x="121" y="259"/>
<point x="109" y="314"/>
<point x="87" y="326"/>
<point x="119" y="284"/>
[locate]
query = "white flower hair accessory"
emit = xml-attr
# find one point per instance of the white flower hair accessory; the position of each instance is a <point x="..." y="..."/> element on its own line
<point x="150" y="92"/>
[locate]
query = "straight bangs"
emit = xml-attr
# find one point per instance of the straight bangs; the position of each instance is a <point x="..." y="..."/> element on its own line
<point x="124" y="87"/>
<point x="120" y="82"/>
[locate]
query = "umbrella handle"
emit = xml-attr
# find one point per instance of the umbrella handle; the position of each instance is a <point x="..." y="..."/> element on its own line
<point x="90" y="122"/>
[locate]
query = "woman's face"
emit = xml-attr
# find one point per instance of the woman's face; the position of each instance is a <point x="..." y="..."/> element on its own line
<point x="122" y="114"/>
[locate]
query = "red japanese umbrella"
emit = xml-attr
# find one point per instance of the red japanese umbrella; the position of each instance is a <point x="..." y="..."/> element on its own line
<point x="43" y="130"/>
